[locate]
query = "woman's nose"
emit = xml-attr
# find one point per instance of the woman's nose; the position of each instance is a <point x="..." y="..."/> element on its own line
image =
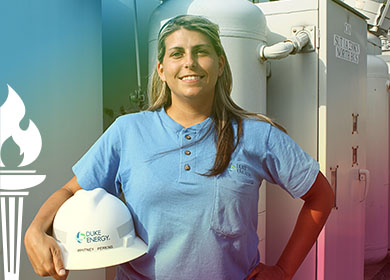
<point x="190" y="61"/>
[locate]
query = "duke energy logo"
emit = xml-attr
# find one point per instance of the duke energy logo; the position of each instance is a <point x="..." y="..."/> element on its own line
<point x="80" y="237"/>
<point x="92" y="236"/>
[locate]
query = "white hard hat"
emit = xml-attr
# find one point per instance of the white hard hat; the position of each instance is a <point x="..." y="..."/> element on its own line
<point x="95" y="229"/>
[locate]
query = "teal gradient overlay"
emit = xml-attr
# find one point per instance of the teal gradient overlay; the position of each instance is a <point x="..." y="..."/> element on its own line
<point x="119" y="54"/>
<point x="54" y="54"/>
<point x="51" y="55"/>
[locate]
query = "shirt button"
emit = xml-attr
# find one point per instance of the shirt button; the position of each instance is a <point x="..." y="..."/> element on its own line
<point x="187" y="167"/>
<point x="187" y="152"/>
<point x="188" y="137"/>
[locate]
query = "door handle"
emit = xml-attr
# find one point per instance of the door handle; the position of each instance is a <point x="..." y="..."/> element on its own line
<point x="333" y="183"/>
<point x="364" y="175"/>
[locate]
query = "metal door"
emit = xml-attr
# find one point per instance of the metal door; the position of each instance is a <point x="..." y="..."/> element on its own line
<point x="342" y="89"/>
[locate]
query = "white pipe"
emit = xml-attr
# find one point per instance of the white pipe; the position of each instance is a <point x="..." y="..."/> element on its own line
<point x="383" y="14"/>
<point x="283" y="49"/>
<point x="277" y="51"/>
<point x="137" y="45"/>
<point x="301" y="39"/>
<point x="137" y="96"/>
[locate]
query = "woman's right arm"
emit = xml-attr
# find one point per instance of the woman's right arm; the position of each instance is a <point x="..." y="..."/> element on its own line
<point x="42" y="250"/>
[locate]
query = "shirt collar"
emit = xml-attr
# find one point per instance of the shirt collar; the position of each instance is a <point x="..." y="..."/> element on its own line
<point x="168" y="121"/>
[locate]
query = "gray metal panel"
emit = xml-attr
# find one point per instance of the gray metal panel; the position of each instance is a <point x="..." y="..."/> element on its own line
<point x="351" y="9"/>
<point x="292" y="101"/>
<point x="342" y="93"/>
<point x="340" y="82"/>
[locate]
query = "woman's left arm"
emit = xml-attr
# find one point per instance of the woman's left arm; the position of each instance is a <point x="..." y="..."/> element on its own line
<point x="312" y="217"/>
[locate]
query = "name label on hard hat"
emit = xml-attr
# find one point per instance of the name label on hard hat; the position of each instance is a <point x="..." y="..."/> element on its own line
<point x="92" y="249"/>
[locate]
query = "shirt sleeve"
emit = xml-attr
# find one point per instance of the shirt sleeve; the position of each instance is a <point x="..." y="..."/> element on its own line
<point x="287" y="165"/>
<point x="98" y="168"/>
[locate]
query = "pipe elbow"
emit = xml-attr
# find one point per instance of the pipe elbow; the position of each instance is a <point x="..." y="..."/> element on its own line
<point x="277" y="51"/>
<point x="283" y="49"/>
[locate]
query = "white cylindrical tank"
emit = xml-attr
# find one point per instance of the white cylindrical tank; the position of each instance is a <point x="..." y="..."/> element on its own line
<point x="242" y="28"/>
<point x="376" y="240"/>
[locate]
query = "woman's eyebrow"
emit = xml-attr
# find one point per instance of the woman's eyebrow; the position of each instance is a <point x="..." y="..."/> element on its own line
<point x="201" y="46"/>
<point x="175" y="48"/>
<point x="194" y="47"/>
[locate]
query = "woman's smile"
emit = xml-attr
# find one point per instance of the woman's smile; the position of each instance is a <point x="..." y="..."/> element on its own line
<point x="191" y="78"/>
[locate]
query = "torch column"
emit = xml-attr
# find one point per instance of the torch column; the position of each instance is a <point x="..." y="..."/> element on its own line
<point x="11" y="208"/>
<point x="11" y="204"/>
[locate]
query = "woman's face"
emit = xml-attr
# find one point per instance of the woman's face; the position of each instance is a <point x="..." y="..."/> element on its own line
<point x="190" y="67"/>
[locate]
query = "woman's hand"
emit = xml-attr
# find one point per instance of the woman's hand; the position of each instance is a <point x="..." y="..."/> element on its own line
<point x="44" y="254"/>
<point x="42" y="250"/>
<point x="267" y="272"/>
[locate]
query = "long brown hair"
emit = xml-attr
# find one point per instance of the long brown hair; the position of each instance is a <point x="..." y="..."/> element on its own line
<point x="224" y="110"/>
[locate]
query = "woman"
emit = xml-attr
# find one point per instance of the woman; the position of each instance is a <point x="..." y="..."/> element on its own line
<point x="190" y="168"/>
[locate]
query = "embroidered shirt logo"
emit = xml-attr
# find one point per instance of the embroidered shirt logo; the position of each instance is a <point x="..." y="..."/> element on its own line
<point x="240" y="169"/>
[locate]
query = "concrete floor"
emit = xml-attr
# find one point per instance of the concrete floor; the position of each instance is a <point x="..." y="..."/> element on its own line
<point x="373" y="271"/>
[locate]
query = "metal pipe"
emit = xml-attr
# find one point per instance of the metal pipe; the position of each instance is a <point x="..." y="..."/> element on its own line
<point x="137" y="45"/>
<point x="137" y="96"/>
<point x="283" y="49"/>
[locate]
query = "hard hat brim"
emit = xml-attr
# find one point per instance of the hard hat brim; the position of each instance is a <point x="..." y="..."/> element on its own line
<point x="91" y="260"/>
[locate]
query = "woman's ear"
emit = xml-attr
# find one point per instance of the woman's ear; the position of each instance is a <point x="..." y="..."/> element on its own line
<point x="160" y="71"/>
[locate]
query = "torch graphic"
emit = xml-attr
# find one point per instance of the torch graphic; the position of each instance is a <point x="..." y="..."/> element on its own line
<point x="13" y="181"/>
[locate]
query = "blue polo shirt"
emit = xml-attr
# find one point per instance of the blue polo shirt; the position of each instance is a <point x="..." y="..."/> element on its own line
<point x="196" y="227"/>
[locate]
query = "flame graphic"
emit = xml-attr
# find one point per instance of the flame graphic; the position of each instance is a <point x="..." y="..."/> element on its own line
<point x="29" y="141"/>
